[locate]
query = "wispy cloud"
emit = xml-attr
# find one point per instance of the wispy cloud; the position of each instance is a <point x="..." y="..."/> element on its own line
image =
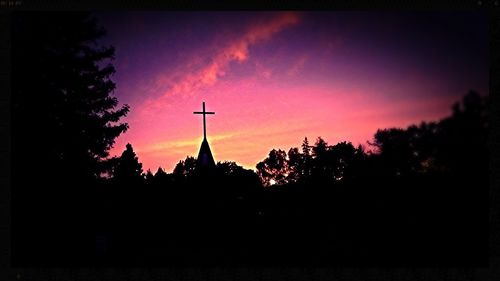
<point x="297" y="66"/>
<point x="190" y="80"/>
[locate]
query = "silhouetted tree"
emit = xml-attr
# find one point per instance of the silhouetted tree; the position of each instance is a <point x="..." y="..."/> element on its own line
<point x="319" y="149"/>
<point x="463" y="136"/>
<point x="342" y="155"/>
<point x="451" y="144"/>
<point x="160" y="179"/>
<point x="295" y="165"/>
<point x="306" y="149"/>
<point x="273" y="170"/>
<point x="320" y="168"/>
<point x="185" y="168"/>
<point x="62" y="94"/>
<point x="424" y="144"/>
<point x="128" y="171"/>
<point x="128" y="198"/>
<point x="69" y="90"/>
<point x="358" y="167"/>
<point x="306" y="159"/>
<point x="228" y="167"/>
<point x="395" y="150"/>
<point x="160" y="173"/>
<point x="237" y="179"/>
<point x="149" y="176"/>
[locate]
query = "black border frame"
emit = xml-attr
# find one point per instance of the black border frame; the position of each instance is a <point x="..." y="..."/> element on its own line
<point x="491" y="7"/>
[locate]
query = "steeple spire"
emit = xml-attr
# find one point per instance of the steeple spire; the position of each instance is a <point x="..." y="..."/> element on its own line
<point x="204" y="122"/>
<point x="205" y="161"/>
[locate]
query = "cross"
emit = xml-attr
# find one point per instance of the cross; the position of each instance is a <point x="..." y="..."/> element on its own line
<point x="204" y="123"/>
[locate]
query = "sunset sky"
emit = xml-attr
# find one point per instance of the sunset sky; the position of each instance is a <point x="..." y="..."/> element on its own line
<point x="273" y="78"/>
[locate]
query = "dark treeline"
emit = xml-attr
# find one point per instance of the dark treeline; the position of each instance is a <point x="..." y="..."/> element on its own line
<point x="419" y="195"/>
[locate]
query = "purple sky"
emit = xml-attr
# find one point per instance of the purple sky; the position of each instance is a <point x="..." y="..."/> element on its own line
<point x="275" y="77"/>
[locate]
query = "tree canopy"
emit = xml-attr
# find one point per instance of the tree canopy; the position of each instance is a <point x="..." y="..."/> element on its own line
<point x="65" y="119"/>
<point x="62" y="75"/>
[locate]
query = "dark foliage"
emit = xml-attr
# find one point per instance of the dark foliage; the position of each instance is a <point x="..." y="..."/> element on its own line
<point x="185" y="167"/>
<point x="419" y="197"/>
<point x="405" y="203"/>
<point x="65" y="121"/>
<point x="128" y="170"/>
<point x="274" y="169"/>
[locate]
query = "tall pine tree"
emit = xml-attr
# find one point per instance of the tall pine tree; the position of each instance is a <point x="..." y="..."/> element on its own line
<point x="63" y="102"/>
<point x="64" y="122"/>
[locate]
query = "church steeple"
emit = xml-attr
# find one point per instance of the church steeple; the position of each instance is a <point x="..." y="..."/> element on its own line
<point x="205" y="159"/>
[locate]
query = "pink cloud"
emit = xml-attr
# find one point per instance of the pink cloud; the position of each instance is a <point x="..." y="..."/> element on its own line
<point x="186" y="81"/>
